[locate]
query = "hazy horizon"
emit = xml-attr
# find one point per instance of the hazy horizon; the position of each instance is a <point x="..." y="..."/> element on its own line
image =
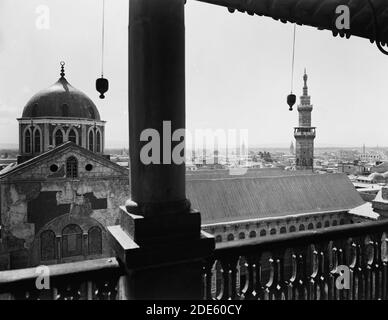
<point x="14" y="146"/>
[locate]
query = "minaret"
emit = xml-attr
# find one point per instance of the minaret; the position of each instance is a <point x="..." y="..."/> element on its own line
<point x="305" y="133"/>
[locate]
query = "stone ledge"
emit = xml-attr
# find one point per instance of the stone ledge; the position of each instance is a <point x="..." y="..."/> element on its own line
<point x="163" y="228"/>
<point x="158" y="253"/>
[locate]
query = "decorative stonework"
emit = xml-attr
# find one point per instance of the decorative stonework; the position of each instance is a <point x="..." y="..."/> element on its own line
<point x="31" y="198"/>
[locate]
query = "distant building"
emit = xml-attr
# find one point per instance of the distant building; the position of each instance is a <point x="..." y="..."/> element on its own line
<point x="371" y="156"/>
<point x="380" y="168"/>
<point x="304" y="134"/>
<point x="348" y="168"/>
<point x="292" y="149"/>
<point x="375" y="209"/>
<point x="373" y="178"/>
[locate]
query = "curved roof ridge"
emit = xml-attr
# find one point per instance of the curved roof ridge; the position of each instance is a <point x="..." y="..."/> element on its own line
<point x="61" y="100"/>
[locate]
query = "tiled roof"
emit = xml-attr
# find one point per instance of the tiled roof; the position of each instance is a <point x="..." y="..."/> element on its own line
<point x="253" y="172"/>
<point x="226" y="200"/>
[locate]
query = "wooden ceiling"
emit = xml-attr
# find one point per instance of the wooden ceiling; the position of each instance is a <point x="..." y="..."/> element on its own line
<point x="320" y="14"/>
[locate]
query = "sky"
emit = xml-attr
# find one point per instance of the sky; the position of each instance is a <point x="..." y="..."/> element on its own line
<point x="238" y="72"/>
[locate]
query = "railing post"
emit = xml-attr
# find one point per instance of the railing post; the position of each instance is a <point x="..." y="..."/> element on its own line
<point x="159" y="239"/>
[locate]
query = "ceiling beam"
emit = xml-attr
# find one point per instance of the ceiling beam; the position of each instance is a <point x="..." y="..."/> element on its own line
<point x="318" y="13"/>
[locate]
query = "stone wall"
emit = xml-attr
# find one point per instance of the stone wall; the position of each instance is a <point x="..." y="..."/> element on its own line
<point x="31" y="199"/>
<point x="27" y="207"/>
<point x="271" y="227"/>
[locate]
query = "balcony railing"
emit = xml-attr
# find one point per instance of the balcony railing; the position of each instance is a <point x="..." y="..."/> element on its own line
<point x="303" y="266"/>
<point x="85" y="280"/>
<point x="304" y="132"/>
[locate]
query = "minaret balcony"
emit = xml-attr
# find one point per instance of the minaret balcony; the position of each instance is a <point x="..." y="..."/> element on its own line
<point x="305" y="106"/>
<point x="304" y="132"/>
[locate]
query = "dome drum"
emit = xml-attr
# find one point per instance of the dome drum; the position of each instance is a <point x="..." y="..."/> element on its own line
<point x="57" y="115"/>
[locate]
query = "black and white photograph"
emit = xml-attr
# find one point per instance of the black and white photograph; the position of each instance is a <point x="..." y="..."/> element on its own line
<point x="196" y="155"/>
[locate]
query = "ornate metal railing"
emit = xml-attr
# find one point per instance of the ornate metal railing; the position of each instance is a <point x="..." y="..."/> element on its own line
<point x="84" y="280"/>
<point x="305" y="265"/>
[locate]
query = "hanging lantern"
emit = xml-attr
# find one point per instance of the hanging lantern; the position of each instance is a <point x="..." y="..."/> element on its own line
<point x="291" y="99"/>
<point x="102" y="86"/>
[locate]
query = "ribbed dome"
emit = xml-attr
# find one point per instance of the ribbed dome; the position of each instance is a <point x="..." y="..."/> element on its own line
<point x="61" y="100"/>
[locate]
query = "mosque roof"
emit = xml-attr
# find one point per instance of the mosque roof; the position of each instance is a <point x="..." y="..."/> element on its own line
<point x="238" y="199"/>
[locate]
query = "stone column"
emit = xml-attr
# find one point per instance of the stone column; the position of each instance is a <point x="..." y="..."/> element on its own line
<point x="159" y="238"/>
<point x="156" y="94"/>
<point x="58" y="240"/>
<point x="46" y="137"/>
<point x="84" y="138"/>
<point x="21" y="140"/>
<point x="85" y="244"/>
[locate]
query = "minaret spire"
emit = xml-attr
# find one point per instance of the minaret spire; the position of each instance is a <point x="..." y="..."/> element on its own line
<point x="62" y="69"/>
<point x="305" y="88"/>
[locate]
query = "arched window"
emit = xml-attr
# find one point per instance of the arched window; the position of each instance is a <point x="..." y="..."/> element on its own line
<point x="310" y="226"/>
<point x="252" y="234"/>
<point x="91" y="140"/>
<point x="335" y="222"/>
<point x="241" y="235"/>
<point x="95" y="240"/>
<point x="342" y="221"/>
<point x="219" y="238"/>
<point x="301" y="227"/>
<point x="273" y="231"/>
<point x="72" y="167"/>
<point x="73" y="136"/>
<point x="292" y="229"/>
<point x="263" y="233"/>
<point x="37" y="140"/>
<point x="47" y="245"/>
<point x="71" y="241"/>
<point x="27" y="141"/>
<point x="58" y="137"/>
<point x="283" y="230"/>
<point x="98" y="141"/>
<point x="230" y="237"/>
<point x="327" y="224"/>
<point x="319" y="225"/>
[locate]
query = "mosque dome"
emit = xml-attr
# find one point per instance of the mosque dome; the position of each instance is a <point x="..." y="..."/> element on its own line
<point x="61" y="100"/>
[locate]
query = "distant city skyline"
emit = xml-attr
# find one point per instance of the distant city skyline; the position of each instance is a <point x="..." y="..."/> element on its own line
<point x="238" y="73"/>
<point x="15" y="146"/>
